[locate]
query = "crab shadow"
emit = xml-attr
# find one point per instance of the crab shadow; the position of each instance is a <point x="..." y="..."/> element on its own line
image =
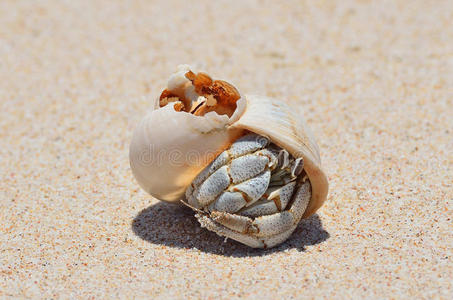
<point x="175" y="226"/>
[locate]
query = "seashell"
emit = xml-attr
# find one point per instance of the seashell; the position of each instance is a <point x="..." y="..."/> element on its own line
<point x="248" y="165"/>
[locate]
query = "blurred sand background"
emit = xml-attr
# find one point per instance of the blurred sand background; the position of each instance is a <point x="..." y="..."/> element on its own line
<point x="374" y="80"/>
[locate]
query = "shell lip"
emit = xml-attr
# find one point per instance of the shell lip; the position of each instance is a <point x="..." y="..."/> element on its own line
<point x="304" y="146"/>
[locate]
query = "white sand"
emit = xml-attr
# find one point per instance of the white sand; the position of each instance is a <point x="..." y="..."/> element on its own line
<point x="373" y="79"/>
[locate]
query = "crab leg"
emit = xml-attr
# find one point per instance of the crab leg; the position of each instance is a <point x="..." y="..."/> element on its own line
<point x="253" y="192"/>
<point x="261" y="226"/>
<point x="263" y="207"/>
<point x="229" y="202"/>
<point x="277" y="201"/>
<point x="267" y="225"/>
<point x="247" y="166"/>
<point x="211" y="225"/>
<point x="273" y="240"/>
<point x="252" y="241"/>
<point x="247" y="144"/>
<point x="301" y="199"/>
<point x="212" y="187"/>
<point x="242" y="167"/>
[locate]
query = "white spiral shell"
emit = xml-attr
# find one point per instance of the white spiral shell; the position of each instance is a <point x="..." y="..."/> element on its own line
<point x="169" y="148"/>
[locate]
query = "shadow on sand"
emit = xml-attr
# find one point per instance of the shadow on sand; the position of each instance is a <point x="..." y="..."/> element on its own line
<point x="175" y="226"/>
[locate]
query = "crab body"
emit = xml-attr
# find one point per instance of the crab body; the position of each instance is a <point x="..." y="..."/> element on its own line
<point x="254" y="192"/>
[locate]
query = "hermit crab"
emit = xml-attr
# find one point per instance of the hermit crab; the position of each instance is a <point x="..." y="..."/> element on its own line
<point x="247" y="165"/>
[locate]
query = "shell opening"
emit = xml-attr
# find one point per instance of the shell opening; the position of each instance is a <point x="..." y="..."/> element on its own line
<point x="199" y="94"/>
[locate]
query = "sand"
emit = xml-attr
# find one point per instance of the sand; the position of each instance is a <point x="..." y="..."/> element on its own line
<point x="374" y="81"/>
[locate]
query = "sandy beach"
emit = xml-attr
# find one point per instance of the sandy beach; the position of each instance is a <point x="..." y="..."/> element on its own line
<point x="373" y="80"/>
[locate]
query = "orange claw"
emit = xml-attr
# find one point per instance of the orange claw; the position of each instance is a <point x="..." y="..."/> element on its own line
<point x="163" y="99"/>
<point x="224" y="93"/>
<point x="181" y="103"/>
